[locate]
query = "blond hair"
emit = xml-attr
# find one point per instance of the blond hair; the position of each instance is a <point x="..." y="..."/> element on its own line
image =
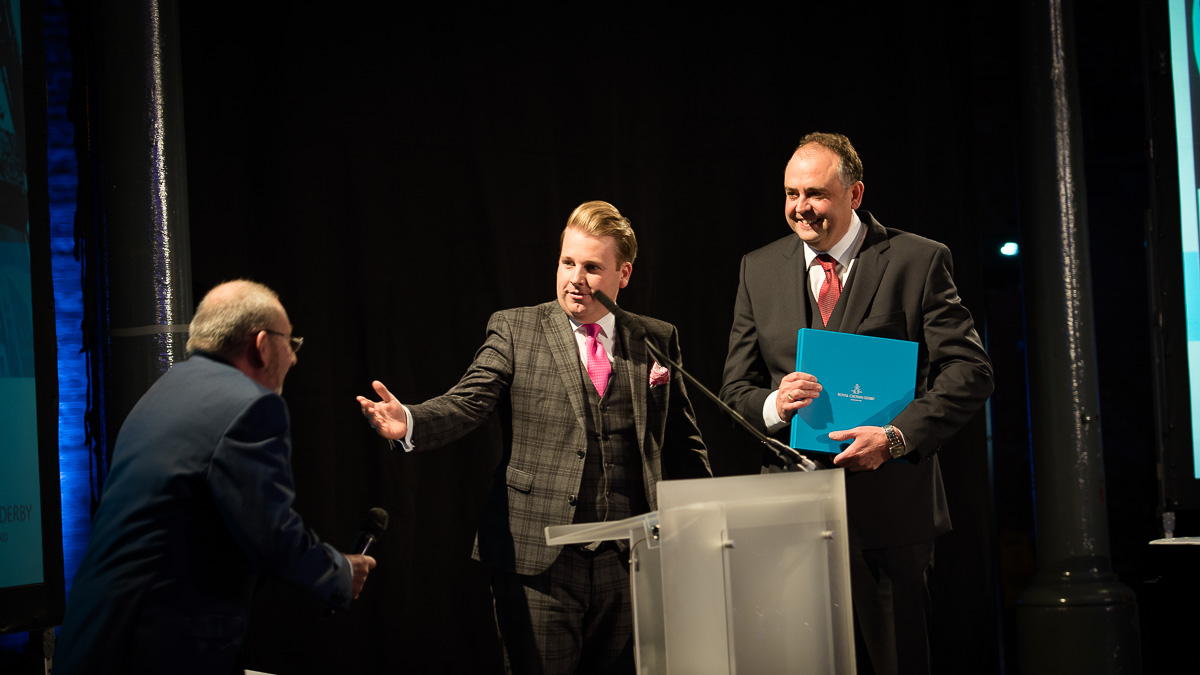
<point x="601" y="219"/>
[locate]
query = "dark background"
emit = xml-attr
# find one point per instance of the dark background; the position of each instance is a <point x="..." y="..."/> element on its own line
<point x="398" y="175"/>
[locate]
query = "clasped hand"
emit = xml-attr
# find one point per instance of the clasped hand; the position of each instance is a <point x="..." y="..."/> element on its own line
<point x="867" y="452"/>
<point x="796" y="391"/>
<point x="360" y="567"/>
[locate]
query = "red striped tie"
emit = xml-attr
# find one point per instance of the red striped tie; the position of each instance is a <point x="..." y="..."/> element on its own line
<point x="831" y="288"/>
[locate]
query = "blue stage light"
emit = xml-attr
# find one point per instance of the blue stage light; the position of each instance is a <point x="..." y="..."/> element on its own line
<point x="74" y="457"/>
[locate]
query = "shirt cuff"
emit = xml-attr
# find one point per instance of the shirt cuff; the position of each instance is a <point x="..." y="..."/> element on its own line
<point x="406" y="443"/>
<point x="771" y="419"/>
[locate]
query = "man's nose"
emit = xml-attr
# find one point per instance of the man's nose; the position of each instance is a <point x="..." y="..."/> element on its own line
<point x="578" y="276"/>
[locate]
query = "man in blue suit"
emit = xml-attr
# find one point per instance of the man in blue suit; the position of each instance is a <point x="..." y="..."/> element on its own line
<point x="198" y="506"/>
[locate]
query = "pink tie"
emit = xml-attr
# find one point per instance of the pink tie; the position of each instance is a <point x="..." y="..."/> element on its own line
<point x="597" y="361"/>
<point x="831" y="288"/>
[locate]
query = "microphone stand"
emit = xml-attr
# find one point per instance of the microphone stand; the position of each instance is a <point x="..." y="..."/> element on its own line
<point x="791" y="459"/>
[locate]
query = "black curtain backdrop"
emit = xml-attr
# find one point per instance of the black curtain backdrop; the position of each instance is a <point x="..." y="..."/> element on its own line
<point x="399" y="175"/>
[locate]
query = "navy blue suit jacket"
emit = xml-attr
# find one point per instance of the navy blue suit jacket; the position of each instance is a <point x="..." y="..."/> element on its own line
<point x="197" y="506"/>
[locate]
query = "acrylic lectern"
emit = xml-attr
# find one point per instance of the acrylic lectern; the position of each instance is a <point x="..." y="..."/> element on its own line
<point x="744" y="574"/>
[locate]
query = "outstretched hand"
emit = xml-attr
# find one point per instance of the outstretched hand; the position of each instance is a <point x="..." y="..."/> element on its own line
<point x="385" y="416"/>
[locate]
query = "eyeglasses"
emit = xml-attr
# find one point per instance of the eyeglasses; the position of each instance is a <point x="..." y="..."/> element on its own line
<point x="294" y="342"/>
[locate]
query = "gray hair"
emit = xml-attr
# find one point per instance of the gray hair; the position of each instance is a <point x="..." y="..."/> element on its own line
<point x="229" y="314"/>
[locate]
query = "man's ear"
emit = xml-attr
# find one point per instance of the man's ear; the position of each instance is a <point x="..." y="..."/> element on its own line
<point x="856" y="194"/>
<point x="257" y="350"/>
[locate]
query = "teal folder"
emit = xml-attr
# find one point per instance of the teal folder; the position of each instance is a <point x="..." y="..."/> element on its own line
<point x="866" y="381"/>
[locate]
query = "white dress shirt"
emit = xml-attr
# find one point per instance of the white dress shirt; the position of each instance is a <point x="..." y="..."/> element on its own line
<point x="844" y="253"/>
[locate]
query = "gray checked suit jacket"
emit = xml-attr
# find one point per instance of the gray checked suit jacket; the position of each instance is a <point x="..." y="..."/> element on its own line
<point x="529" y="368"/>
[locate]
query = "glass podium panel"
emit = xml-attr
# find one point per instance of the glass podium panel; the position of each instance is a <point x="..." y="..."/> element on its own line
<point x="745" y="574"/>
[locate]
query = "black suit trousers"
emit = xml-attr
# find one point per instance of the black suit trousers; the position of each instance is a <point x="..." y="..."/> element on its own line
<point x="892" y="608"/>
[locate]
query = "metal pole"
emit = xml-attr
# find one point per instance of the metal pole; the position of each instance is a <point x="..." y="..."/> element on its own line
<point x="1076" y="617"/>
<point x="142" y="267"/>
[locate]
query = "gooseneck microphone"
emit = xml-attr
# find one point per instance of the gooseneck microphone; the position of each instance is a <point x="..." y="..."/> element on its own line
<point x="789" y="456"/>
<point x="372" y="527"/>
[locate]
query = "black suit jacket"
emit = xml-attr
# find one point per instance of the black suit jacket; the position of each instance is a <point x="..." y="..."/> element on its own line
<point x="529" y="368"/>
<point x="901" y="287"/>
<point x="197" y="506"/>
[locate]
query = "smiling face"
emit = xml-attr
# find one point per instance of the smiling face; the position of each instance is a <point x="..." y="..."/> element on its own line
<point x="587" y="264"/>
<point x="816" y="205"/>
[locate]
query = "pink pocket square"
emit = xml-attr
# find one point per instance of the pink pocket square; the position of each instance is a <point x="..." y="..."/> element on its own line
<point x="659" y="375"/>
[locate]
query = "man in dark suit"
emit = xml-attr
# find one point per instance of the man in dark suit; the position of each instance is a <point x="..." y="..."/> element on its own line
<point x="591" y="425"/>
<point x="842" y="270"/>
<point x="198" y="506"/>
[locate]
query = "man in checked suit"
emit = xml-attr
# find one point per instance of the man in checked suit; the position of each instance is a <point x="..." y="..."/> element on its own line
<point x="886" y="283"/>
<point x="591" y="425"/>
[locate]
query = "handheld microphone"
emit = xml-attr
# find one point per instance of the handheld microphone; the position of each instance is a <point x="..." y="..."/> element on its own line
<point x="788" y="455"/>
<point x="372" y="527"/>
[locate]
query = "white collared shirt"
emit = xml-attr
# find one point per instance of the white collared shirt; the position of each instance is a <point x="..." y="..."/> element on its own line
<point x="844" y="252"/>
<point x="608" y="326"/>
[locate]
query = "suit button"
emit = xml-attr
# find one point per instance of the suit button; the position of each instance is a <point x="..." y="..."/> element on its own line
<point x="571" y="500"/>
<point x="580" y="454"/>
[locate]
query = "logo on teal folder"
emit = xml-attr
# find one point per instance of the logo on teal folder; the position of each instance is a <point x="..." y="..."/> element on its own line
<point x="866" y="381"/>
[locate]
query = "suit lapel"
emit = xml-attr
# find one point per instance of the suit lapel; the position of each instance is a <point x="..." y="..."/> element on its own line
<point x="565" y="355"/>
<point x="867" y="274"/>
<point x="630" y="354"/>
<point x="794" y="295"/>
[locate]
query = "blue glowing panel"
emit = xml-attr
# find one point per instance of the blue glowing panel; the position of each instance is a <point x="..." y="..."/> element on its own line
<point x="1185" y="78"/>
<point x="20" y="495"/>
<point x="20" y="491"/>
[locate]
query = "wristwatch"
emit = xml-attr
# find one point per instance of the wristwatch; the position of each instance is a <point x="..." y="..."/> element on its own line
<point x="895" y="442"/>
